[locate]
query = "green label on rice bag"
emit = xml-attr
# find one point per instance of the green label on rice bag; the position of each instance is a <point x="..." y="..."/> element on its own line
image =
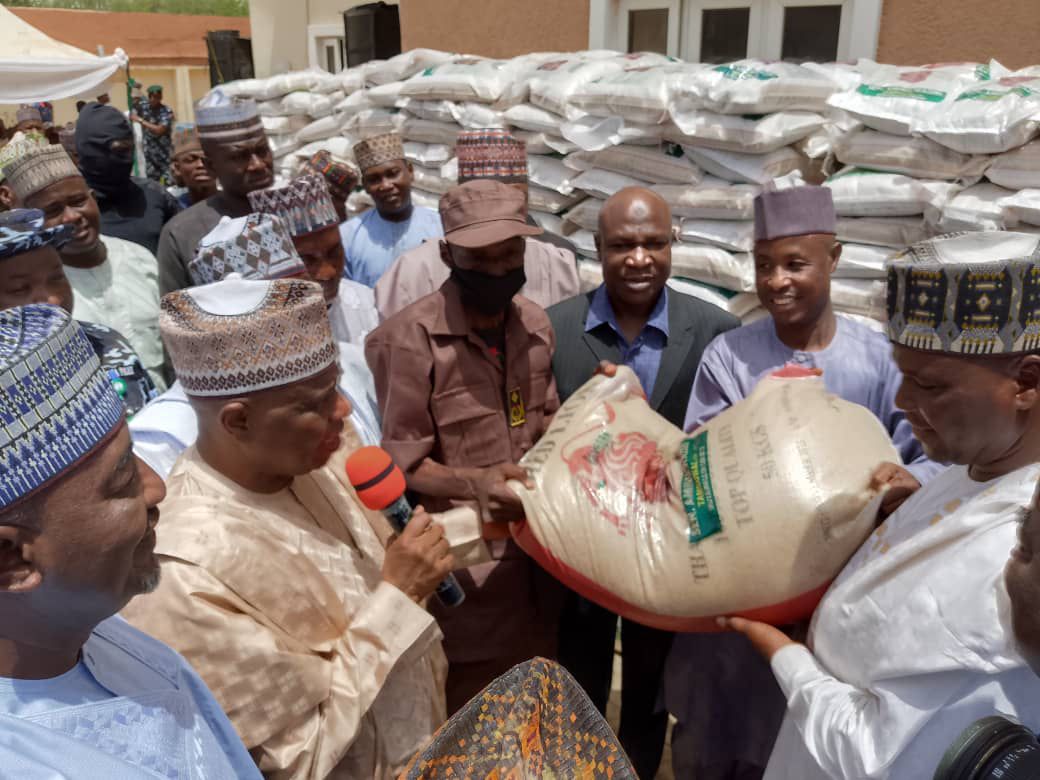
<point x="912" y="93"/>
<point x="734" y="72"/>
<point x="698" y="494"/>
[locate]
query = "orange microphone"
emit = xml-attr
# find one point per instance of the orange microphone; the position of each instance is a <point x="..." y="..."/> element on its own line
<point x="380" y="486"/>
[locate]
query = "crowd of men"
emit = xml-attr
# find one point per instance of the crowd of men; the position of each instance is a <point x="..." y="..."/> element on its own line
<point x="184" y="377"/>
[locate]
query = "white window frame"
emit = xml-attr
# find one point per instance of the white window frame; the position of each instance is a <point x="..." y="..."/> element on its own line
<point x="692" y="29"/>
<point x="674" y="8"/>
<point x="857" y="35"/>
<point x="316" y="32"/>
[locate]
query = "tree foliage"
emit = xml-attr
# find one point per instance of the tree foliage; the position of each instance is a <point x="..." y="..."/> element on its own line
<point x="209" y="7"/>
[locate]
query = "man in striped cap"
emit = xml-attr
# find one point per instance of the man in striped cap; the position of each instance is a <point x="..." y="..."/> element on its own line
<point x="276" y="584"/>
<point x="912" y="642"/>
<point x="188" y="167"/>
<point x="549" y="261"/>
<point x="376" y="238"/>
<point x="29" y="119"/>
<point x="78" y="514"/>
<point x="239" y="156"/>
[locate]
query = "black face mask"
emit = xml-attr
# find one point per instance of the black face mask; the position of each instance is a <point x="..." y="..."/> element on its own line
<point x="106" y="170"/>
<point x="488" y="294"/>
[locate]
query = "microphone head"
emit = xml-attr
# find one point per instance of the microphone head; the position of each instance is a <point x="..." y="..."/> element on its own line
<point x="377" y="480"/>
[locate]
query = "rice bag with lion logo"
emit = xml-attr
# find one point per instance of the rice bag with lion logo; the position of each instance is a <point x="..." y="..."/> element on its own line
<point x="753" y="514"/>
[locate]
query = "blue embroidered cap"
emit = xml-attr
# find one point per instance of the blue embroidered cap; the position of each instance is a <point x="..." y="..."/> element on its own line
<point x="967" y="293"/>
<point x="22" y="230"/>
<point x="56" y="406"/>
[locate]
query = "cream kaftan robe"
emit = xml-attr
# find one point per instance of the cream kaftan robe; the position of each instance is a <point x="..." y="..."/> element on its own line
<point x="277" y="602"/>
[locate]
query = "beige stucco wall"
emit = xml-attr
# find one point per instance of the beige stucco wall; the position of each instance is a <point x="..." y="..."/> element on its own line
<point x="915" y="32"/>
<point x="279" y="30"/>
<point x="495" y="28"/>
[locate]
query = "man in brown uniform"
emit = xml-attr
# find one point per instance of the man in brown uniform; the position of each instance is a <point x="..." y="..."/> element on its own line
<point x="465" y="386"/>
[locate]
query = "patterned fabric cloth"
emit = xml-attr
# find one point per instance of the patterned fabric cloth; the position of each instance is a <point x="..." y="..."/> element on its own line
<point x="967" y="293"/>
<point x="22" y="230"/>
<point x="533" y="721"/>
<point x="304" y="204"/>
<point x="158" y="149"/>
<point x="239" y="336"/>
<point x="55" y="404"/>
<point x="257" y="246"/>
<point x="122" y="366"/>
<point x="131" y="709"/>
<point x="219" y="117"/>
<point x="491" y="154"/>
<point x="377" y="150"/>
<point x="38" y="168"/>
<point x="277" y="599"/>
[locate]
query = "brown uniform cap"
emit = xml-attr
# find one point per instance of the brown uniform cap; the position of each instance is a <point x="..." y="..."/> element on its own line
<point x="484" y="212"/>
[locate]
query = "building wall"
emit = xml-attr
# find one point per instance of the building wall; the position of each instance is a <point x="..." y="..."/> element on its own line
<point x="495" y="28"/>
<point x="916" y="32"/>
<point x="279" y="30"/>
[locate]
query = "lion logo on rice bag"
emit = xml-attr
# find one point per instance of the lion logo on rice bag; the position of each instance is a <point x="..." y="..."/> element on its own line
<point x="753" y="514"/>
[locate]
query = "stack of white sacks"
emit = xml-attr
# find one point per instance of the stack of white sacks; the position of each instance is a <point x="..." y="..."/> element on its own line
<point x="907" y="152"/>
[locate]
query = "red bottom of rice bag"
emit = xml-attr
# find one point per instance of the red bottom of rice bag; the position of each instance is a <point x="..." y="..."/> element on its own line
<point x="779" y="614"/>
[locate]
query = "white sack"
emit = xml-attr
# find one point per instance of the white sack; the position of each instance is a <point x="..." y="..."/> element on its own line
<point x="919" y="157"/>
<point x="750" y="135"/>
<point x="858" y="192"/>
<point x="711" y="199"/>
<point x="715" y="266"/>
<point x="747" y="168"/>
<point x="642" y="162"/>
<point x="756" y="87"/>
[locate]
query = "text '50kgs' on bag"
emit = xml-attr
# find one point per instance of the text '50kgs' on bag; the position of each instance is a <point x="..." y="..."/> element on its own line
<point x="753" y="514"/>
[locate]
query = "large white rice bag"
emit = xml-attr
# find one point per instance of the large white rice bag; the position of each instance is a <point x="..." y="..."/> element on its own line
<point x="433" y="110"/>
<point x="862" y="261"/>
<point x="981" y="207"/>
<point x="404" y="65"/>
<point x="283" y="125"/>
<point x="1025" y="206"/>
<point x="747" y="134"/>
<point x="894" y="99"/>
<point x="752" y="515"/>
<point x="604" y="184"/>
<point x="757" y="87"/>
<point x="732" y="235"/>
<point x="427" y="132"/>
<point x="637" y="93"/>
<point x="534" y="119"/>
<point x="551" y="201"/>
<point x="459" y="79"/>
<point x="1018" y="169"/>
<point x="713" y="265"/>
<point x="595" y="133"/>
<point x="859" y="192"/>
<point x="919" y="157"/>
<point x="585" y="243"/>
<point x="747" y="168"/>
<point x="711" y="199"/>
<point x="989" y="118"/>
<point x="555" y="82"/>
<point x="550" y="172"/>
<point x="386" y="95"/>
<point x="891" y="232"/>
<point x="641" y="162"/>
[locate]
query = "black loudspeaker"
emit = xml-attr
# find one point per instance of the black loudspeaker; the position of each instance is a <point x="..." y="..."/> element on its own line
<point x="230" y="56"/>
<point x="373" y="32"/>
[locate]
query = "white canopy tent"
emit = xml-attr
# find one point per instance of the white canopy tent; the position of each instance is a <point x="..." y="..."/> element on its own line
<point x="35" y="67"/>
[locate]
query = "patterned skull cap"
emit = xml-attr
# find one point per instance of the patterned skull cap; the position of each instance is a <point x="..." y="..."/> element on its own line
<point x="256" y="246"/>
<point x="304" y="204"/>
<point x="491" y="154"/>
<point x="38" y="168"/>
<point x="28" y="114"/>
<point x="238" y="336"/>
<point x="20" y="144"/>
<point x="224" y="119"/>
<point x="185" y="139"/>
<point x="377" y="150"/>
<point x="967" y="293"/>
<point x="22" y="230"/>
<point x="335" y="171"/>
<point x="56" y="406"/>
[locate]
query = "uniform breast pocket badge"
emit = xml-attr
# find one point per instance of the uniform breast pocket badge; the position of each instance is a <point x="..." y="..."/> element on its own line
<point x="517" y="415"/>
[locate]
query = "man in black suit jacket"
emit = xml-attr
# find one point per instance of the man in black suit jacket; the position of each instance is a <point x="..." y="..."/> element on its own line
<point x="631" y="319"/>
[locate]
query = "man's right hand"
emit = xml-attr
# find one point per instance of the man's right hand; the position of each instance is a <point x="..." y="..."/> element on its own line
<point x="419" y="558"/>
<point x="497" y="501"/>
